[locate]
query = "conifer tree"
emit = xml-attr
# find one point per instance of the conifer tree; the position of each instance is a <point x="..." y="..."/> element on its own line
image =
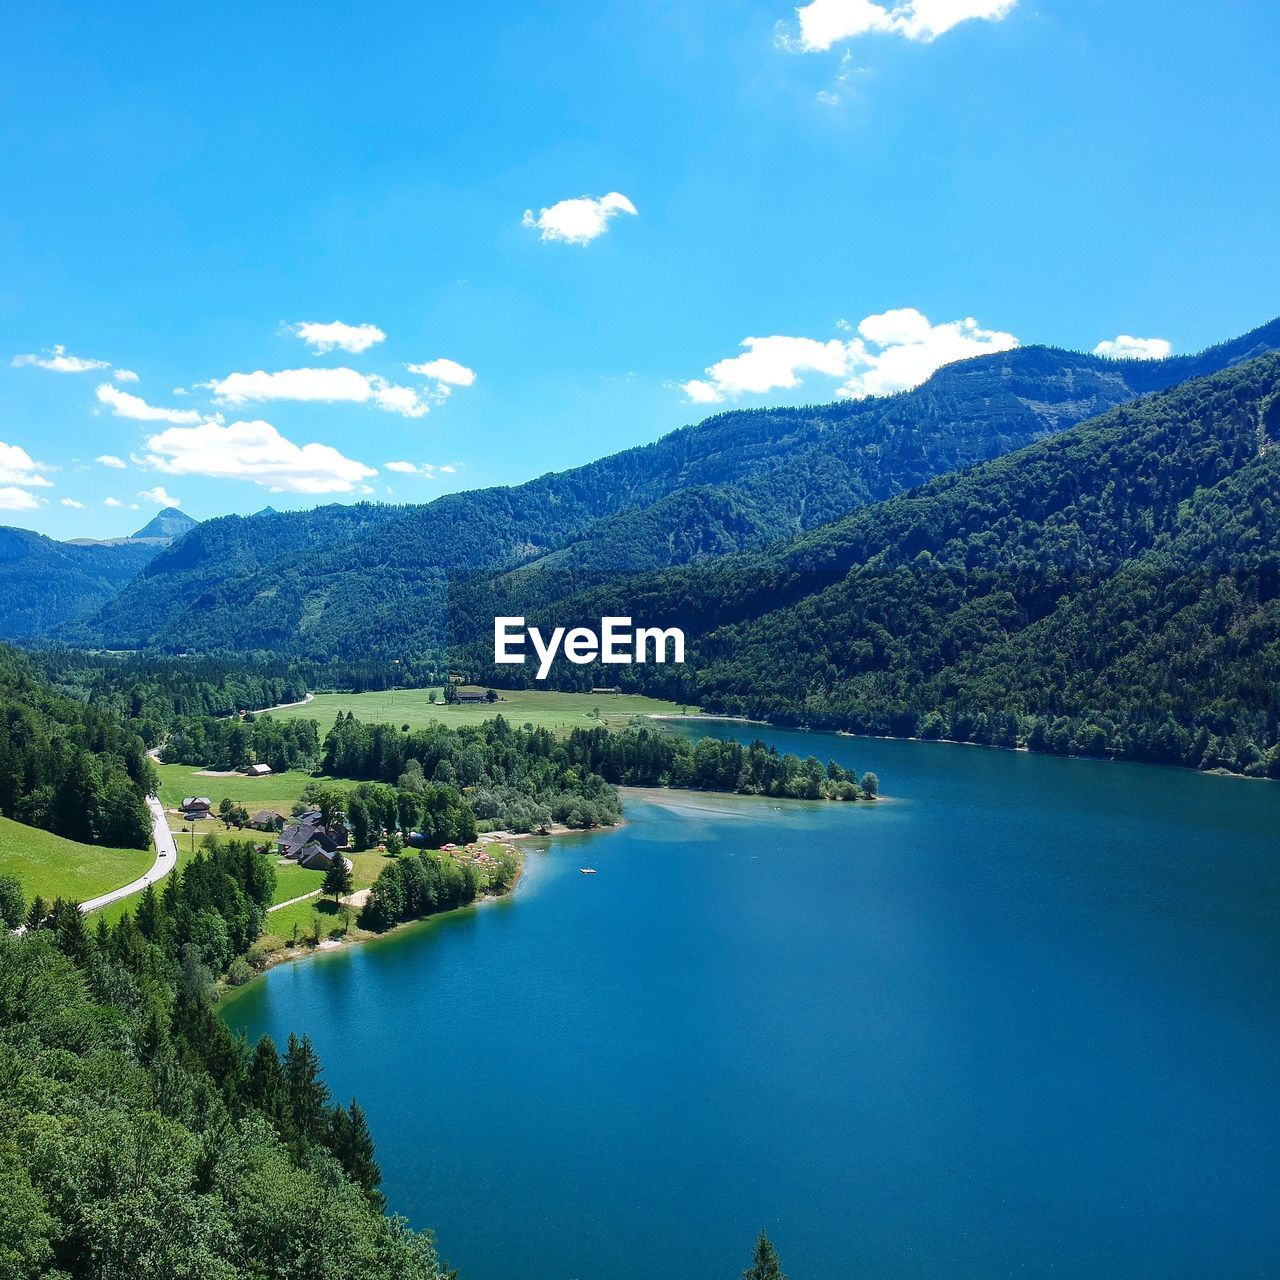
<point x="764" y="1263"/>
<point x="38" y="916"/>
<point x="337" y="880"/>
<point x="353" y="1145"/>
<point x="70" y="933"/>
<point x="266" y="1087"/>
<point x="307" y="1093"/>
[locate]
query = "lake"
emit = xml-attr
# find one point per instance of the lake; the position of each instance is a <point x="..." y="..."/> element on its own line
<point x="1021" y="1019"/>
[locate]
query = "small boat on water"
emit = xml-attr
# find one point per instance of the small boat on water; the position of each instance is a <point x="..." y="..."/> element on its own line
<point x="587" y="871"/>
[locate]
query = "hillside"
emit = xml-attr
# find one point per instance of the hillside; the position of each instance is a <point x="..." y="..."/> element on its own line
<point x="375" y="581"/>
<point x="44" y="583"/>
<point x="1112" y="590"/>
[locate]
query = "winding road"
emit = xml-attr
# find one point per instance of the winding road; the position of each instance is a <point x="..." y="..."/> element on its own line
<point x="166" y="860"/>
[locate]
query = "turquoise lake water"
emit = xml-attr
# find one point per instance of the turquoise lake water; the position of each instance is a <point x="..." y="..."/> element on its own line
<point x="1022" y="1019"/>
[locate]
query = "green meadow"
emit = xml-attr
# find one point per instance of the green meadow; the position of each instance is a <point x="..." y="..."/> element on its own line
<point x="546" y="709"/>
<point x="278" y="791"/>
<point x="53" y="867"/>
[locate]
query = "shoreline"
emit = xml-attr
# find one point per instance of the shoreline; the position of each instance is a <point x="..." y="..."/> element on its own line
<point x="355" y="935"/>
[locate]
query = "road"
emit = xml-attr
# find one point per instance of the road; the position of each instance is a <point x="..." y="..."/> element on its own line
<point x="166" y="860"/>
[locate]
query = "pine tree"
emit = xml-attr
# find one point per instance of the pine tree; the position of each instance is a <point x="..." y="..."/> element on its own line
<point x="70" y="934"/>
<point x="307" y="1094"/>
<point x="337" y="880"/>
<point x="764" y="1263"/>
<point x="266" y="1087"/>
<point x="353" y="1145"/>
<point x="38" y="916"/>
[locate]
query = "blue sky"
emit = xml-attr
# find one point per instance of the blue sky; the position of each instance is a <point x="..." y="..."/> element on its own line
<point x="862" y="188"/>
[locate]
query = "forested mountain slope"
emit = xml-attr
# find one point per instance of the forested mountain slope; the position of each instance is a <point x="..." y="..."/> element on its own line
<point x="1112" y="589"/>
<point x="44" y="583"/>
<point x="72" y="769"/>
<point x="322" y="583"/>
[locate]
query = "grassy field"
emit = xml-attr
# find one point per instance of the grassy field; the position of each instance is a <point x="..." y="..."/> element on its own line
<point x="278" y="791"/>
<point x="543" y="708"/>
<point x="53" y="867"/>
<point x="318" y="913"/>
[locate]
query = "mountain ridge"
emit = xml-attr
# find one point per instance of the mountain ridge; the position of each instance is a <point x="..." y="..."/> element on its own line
<point x="737" y="480"/>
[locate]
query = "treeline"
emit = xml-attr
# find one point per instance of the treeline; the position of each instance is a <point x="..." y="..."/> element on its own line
<point x="141" y="1138"/>
<point x="642" y="756"/>
<point x="413" y="887"/>
<point x="520" y="779"/>
<point x="153" y="692"/>
<point x="380" y="811"/>
<point x="236" y="742"/>
<point x="66" y="767"/>
<point x="526" y="779"/>
<point x="1112" y="591"/>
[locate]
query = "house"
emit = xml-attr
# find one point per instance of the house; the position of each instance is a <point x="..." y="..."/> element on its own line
<point x="295" y="838"/>
<point x="267" y="820"/>
<point x="473" y="695"/>
<point x="339" y="834"/>
<point x="257" y="770"/>
<point x="194" y="807"/>
<point x="316" y="858"/>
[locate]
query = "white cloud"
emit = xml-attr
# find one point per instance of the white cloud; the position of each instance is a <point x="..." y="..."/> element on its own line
<point x="110" y="460"/>
<point x="449" y="371"/>
<point x="325" y="386"/>
<point x="449" y="469"/>
<point x="56" y="360"/>
<point x="125" y="375"/>
<point x="14" y="499"/>
<point x="580" y="220"/>
<point x="894" y="351"/>
<point x="71" y="502"/>
<point x="257" y="452"/>
<point x="427" y="469"/>
<point x="1127" y="347"/>
<point x="768" y="364"/>
<point x="160" y="497"/>
<point x="325" y="337"/>
<point x="124" y="404"/>
<point x="824" y="23"/>
<point x="17" y="467"/>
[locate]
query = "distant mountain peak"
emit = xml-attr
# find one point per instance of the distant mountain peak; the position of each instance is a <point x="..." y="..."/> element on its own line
<point x="169" y="524"/>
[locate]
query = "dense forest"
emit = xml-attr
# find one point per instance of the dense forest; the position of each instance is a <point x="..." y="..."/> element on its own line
<point x="154" y="692"/>
<point x="66" y="767"/>
<point x="142" y="1139"/>
<point x="45" y="583"/>
<point x="1111" y="590"/>
<point x="366" y="581"/>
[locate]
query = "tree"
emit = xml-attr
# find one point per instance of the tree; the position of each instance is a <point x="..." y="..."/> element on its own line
<point x="226" y="808"/>
<point x="337" y="880"/>
<point x="764" y="1263"/>
<point x="307" y="1095"/>
<point x="70" y="934"/>
<point x="13" y="905"/>
<point x="38" y="916"/>
<point x="353" y="1145"/>
<point x="870" y="785"/>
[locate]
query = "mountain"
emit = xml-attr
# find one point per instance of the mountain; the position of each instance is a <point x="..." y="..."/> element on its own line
<point x="166" y="526"/>
<point x="1112" y="590"/>
<point x="45" y="584"/>
<point x="381" y="582"/>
